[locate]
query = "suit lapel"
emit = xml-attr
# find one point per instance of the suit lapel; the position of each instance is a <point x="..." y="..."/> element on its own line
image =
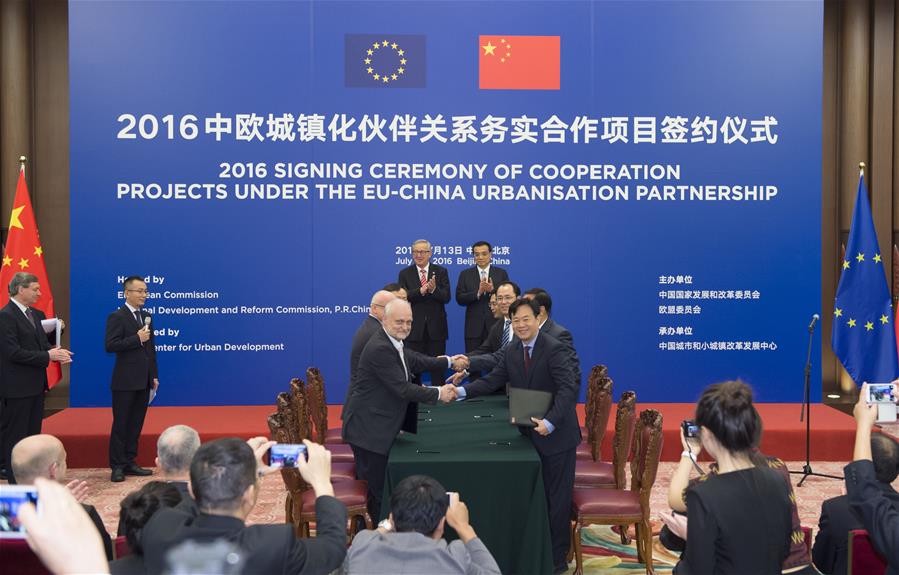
<point x="536" y="355"/>
<point x="23" y="320"/>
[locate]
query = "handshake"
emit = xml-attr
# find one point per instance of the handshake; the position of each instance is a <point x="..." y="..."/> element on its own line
<point x="448" y="393"/>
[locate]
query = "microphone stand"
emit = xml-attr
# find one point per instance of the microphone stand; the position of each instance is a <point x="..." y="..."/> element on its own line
<point x="807" y="407"/>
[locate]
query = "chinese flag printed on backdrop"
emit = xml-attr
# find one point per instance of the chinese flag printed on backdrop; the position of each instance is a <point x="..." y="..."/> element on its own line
<point x="25" y="254"/>
<point x="519" y="62"/>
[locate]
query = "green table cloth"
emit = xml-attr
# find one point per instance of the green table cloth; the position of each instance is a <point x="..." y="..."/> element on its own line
<point x="470" y="447"/>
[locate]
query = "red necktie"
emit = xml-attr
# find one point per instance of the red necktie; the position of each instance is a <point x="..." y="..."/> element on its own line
<point x="424" y="278"/>
<point x="527" y="358"/>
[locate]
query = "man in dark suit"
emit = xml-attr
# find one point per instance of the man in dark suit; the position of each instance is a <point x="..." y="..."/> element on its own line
<point x="45" y="456"/>
<point x="382" y="394"/>
<point x="473" y="291"/>
<point x="370" y="325"/>
<point x="539" y="361"/>
<point x="25" y="353"/>
<point x="830" y="552"/>
<point x="428" y="289"/>
<point x="550" y="327"/>
<point x="130" y="337"/>
<point x="224" y="478"/>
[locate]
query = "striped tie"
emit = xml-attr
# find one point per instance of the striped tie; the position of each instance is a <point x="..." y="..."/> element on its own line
<point x="507" y="334"/>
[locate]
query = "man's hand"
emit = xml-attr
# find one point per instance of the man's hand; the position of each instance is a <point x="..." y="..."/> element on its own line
<point x="260" y="445"/>
<point x="78" y="489"/>
<point x="457" y="518"/>
<point x="455" y="378"/>
<point x="317" y="470"/>
<point x="541" y="426"/>
<point x="448" y="393"/>
<point x="865" y="413"/>
<point x="62" y="324"/>
<point x="61" y="355"/>
<point x="432" y="284"/>
<point x="143" y="334"/>
<point x="488" y="288"/>
<point x="63" y="536"/>
<point x="460" y="362"/>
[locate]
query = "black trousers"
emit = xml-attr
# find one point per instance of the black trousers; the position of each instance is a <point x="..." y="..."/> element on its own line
<point x="432" y="348"/>
<point x="129" y="408"/>
<point x="558" y="485"/>
<point x="371" y="467"/>
<point x="20" y="417"/>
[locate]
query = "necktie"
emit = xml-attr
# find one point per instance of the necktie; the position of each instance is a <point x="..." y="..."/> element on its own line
<point x="30" y="316"/>
<point x="137" y="317"/>
<point x="403" y="360"/>
<point x="507" y="334"/>
<point x="527" y="358"/>
<point x="424" y="278"/>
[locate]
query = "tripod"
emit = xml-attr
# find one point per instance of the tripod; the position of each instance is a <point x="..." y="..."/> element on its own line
<point x="806" y="413"/>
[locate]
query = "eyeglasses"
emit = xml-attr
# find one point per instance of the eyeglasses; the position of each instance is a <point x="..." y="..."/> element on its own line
<point x="421" y="252"/>
<point x="138" y="290"/>
<point x="505" y="298"/>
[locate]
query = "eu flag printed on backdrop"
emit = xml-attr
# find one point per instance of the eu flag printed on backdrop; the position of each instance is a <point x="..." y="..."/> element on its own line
<point x="384" y="61"/>
<point x="862" y="336"/>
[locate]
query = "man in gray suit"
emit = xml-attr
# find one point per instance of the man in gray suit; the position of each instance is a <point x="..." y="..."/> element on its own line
<point x="411" y="539"/>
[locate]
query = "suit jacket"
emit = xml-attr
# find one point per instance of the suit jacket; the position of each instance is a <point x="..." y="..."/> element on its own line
<point x="269" y="549"/>
<point x="550" y="370"/>
<point x="478" y="316"/>
<point x="429" y="309"/>
<point x="487" y="361"/>
<point x="131" y="564"/>
<point x="24" y="353"/>
<point x="101" y="529"/>
<point x="390" y="553"/>
<point x="492" y="344"/>
<point x="361" y="337"/>
<point x="877" y="511"/>
<point x="831" y="550"/>
<point x="135" y="364"/>
<point x="381" y="393"/>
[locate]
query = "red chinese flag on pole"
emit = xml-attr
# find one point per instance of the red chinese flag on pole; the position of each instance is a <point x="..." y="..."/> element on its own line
<point x="24" y="254"/>
<point x="519" y="62"/>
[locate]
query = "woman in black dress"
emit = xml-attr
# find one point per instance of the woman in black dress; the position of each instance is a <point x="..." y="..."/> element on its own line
<point x="738" y="519"/>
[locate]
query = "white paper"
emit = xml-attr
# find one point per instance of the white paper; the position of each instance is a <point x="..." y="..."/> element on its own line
<point x="152" y="396"/>
<point x="50" y="325"/>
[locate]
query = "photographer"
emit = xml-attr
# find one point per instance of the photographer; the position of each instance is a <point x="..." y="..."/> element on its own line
<point x="411" y="539"/>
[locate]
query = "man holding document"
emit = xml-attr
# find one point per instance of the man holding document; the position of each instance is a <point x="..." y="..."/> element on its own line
<point x="129" y="335"/>
<point x="537" y="361"/>
<point x="25" y="353"/>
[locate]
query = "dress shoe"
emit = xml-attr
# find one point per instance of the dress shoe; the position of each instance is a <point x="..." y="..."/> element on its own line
<point x="135" y="470"/>
<point x="117" y="475"/>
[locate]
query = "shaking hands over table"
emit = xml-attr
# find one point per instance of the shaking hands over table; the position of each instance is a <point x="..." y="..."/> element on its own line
<point x="448" y="393"/>
<point x="460" y="362"/>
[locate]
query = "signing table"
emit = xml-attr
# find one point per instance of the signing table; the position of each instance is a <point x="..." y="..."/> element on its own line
<point x="470" y="447"/>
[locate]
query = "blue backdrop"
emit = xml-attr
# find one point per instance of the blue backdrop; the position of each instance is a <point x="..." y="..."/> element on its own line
<point x="168" y="94"/>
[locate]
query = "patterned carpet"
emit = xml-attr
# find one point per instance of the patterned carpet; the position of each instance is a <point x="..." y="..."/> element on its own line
<point x="604" y="553"/>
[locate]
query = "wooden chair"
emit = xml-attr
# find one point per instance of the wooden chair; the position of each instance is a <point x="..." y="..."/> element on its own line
<point x="317" y="411"/>
<point x="591" y="473"/>
<point x="598" y="406"/>
<point x="299" y="508"/>
<point x="290" y="406"/>
<point x="620" y="506"/>
<point x="863" y="558"/>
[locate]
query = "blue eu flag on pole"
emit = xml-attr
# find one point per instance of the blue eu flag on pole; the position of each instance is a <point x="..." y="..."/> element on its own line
<point x="863" y="336"/>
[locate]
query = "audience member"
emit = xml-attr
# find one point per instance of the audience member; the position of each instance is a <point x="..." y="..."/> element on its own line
<point x="738" y="518"/>
<point x="61" y="535"/>
<point x="866" y="498"/>
<point x="134" y="512"/>
<point x="45" y="456"/>
<point x="831" y="552"/>
<point x="175" y="449"/>
<point x="224" y="478"/>
<point x="411" y="540"/>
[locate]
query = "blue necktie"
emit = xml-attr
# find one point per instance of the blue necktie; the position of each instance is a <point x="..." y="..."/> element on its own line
<point x="507" y="334"/>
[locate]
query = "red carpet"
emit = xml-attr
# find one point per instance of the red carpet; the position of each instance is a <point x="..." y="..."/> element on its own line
<point x="85" y="431"/>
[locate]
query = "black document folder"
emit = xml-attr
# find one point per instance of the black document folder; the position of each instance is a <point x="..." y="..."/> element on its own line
<point x="527" y="403"/>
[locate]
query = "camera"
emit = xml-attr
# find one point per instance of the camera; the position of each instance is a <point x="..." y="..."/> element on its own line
<point x="286" y="454"/>
<point x="11" y="498"/>
<point x="690" y="428"/>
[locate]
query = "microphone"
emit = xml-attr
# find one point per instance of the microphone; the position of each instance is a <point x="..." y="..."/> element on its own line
<point x="811" y="326"/>
<point x="147" y="321"/>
